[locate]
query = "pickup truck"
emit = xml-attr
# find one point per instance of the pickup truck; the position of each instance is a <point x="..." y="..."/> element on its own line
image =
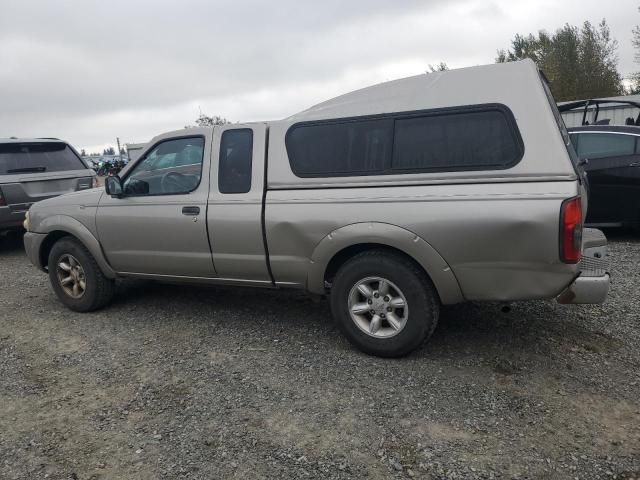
<point x="392" y="201"/>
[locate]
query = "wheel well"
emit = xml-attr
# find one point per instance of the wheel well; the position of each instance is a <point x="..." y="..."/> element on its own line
<point x="47" y="245"/>
<point x="347" y="253"/>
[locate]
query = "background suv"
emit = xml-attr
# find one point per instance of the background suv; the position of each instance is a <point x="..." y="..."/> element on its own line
<point x="35" y="169"/>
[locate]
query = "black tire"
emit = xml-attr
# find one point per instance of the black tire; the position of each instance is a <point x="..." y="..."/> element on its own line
<point x="99" y="289"/>
<point x="414" y="284"/>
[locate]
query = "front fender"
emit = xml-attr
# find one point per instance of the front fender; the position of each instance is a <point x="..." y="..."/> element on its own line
<point x="389" y="235"/>
<point x="64" y="223"/>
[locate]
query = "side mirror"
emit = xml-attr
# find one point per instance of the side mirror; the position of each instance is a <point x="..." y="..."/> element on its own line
<point x="113" y="186"/>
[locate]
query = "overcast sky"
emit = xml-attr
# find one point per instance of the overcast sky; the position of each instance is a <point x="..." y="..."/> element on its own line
<point x="89" y="71"/>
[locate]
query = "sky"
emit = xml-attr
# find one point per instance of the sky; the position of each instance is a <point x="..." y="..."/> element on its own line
<point x="90" y="71"/>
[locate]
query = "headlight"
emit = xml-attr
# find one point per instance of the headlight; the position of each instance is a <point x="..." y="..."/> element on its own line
<point x="26" y="224"/>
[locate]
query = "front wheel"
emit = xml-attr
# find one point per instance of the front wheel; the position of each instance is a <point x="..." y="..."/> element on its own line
<point x="384" y="303"/>
<point x="76" y="277"/>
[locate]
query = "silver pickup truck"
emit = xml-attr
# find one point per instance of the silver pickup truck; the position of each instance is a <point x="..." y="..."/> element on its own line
<point x="392" y="200"/>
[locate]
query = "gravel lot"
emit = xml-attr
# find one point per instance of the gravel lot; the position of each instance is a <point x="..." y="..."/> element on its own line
<point x="236" y="383"/>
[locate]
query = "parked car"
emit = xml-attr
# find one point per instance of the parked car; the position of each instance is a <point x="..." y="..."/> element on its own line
<point x="36" y="169"/>
<point x="392" y="200"/>
<point x="611" y="156"/>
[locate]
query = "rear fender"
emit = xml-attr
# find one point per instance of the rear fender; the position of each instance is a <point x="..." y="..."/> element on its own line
<point x="386" y="235"/>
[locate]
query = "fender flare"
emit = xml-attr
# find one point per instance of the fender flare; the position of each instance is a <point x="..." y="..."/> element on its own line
<point x="64" y="223"/>
<point x="390" y="235"/>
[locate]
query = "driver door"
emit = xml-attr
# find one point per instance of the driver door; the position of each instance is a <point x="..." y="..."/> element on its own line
<point x="158" y="226"/>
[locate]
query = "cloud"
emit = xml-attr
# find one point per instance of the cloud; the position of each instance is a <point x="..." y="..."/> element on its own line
<point x="89" y="71"/>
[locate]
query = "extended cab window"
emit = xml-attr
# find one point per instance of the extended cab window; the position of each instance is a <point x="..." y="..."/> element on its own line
<point x="471" y="138"/>
<point x="236" y="152"/>
<point x="601" y="145"/>
<point x="172" y="167"/>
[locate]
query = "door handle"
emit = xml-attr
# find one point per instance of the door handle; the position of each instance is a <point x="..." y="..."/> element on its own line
<point x="190" y="210"/>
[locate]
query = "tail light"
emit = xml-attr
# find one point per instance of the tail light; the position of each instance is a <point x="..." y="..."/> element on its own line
<point x="571" y="230"/>
<point x="3" y="202"/>
<point x="94" y="182"/>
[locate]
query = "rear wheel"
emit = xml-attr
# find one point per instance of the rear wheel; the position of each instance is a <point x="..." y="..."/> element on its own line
<point x="384" y="303"/>
<point x="76" y="277"/>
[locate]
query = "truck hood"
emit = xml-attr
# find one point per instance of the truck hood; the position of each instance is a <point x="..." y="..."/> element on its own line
<point x="85" y="198"/>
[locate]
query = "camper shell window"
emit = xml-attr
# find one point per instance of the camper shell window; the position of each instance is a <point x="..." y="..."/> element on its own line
<point x="483" y="137"/>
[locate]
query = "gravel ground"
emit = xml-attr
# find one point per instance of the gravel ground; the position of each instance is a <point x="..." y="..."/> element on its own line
<point x="179" y="382"/>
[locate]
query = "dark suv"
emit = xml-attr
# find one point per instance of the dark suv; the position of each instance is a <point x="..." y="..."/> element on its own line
<point x="612" y="155"/>
<point x="35" y="169"/>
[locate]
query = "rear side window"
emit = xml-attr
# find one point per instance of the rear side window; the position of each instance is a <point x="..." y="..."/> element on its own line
<point x="236" y="154"/>
<point x="474" y="138"/>
<point x="16" y="158"/>
<point x="360" y="147"/>
<point x="601" y="145"/>
<point x="451" y="142"/>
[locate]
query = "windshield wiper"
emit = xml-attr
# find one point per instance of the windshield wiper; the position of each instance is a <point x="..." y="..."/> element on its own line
<point x="27" y="170"/>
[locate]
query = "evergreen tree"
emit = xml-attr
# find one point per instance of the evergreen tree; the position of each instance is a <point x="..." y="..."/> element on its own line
<point x="580" y="63"/>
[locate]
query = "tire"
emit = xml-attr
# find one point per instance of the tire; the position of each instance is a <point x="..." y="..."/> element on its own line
<point x="98" y="289"/>
<point x="412" y="324"/>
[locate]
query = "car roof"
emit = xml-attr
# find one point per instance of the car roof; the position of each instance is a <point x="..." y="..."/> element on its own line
<point x="31" y="140"/>
<point x="606" y="128"/>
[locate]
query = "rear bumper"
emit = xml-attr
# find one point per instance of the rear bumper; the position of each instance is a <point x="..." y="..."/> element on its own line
<point x="11" y="219"/>
<point x="592" y="284"/>
<point x="32" y="243"/>
<point x="586" y="290"/>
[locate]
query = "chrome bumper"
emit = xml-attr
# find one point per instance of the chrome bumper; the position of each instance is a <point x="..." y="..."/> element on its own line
<point x="586" y="290"/>
<point x="592" y="283"/>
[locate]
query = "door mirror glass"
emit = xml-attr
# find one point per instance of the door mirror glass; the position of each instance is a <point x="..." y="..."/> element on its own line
<point x="113" y="186"/>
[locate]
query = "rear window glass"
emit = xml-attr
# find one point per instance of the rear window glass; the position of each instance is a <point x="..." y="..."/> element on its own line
<point x="600" y="145"/>
<point x="473" y="138"/>
<point x="458" y="141"/>
<point x="351" y="148"/>
<point x="16" y="158"/>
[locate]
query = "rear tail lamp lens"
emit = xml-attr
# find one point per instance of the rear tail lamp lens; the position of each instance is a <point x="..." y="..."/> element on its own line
<point x="571" y="230"/>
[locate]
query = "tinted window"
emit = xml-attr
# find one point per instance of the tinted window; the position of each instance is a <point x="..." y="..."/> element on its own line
<point x="332" y="149"/>
<point x="236" y="153"/>
<point x="172" y="167"/>
<point x="599" y="145"/>
<point x="18" y="158"/>
<point x="454" y="141"/>
<point x="395" y="144"/>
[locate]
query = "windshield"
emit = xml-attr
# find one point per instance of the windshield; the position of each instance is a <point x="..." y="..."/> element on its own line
<point x="35" y="157"/>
